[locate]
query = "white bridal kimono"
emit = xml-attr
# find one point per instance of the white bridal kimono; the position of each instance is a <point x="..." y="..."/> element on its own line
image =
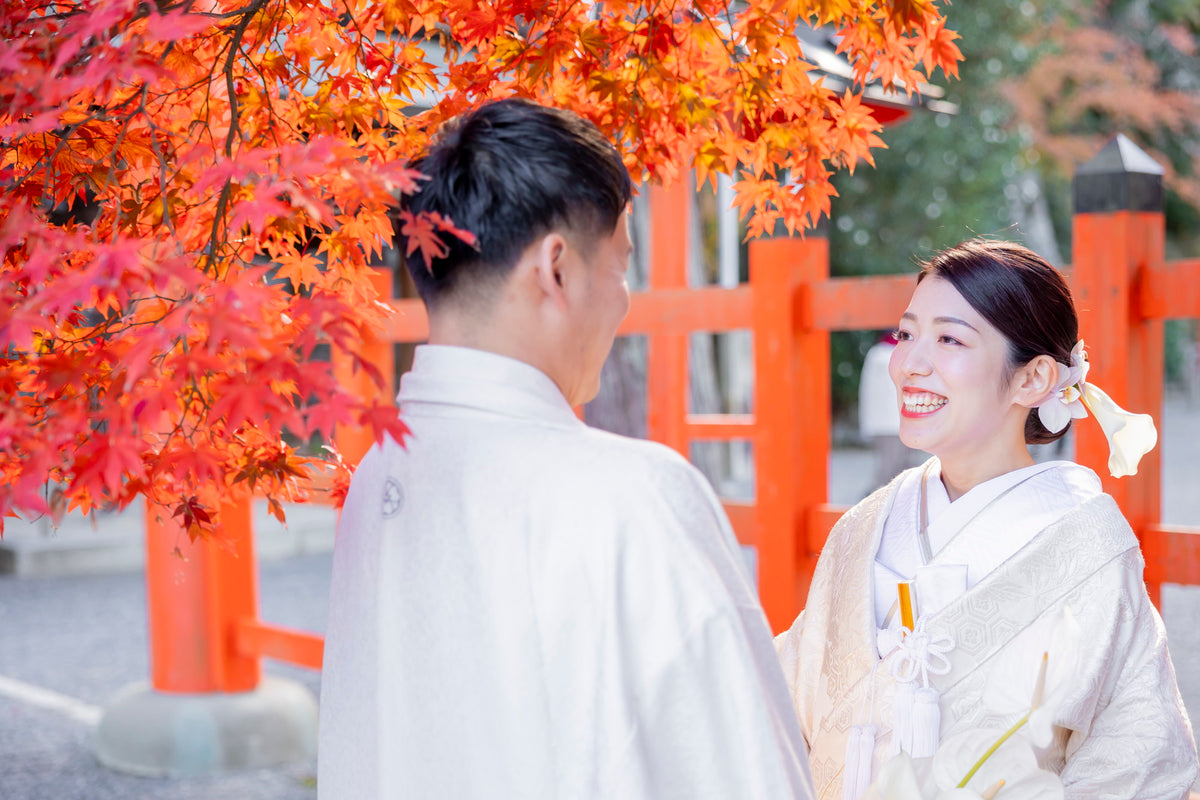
<point x="1008" y="558"/>
<point x="524" y="607"/>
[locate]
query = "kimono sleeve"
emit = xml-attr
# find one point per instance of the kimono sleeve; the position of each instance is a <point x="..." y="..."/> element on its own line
<point x="719" y="732"/>
<point x="713" y="718"/>
<point x="1140" y="743"/>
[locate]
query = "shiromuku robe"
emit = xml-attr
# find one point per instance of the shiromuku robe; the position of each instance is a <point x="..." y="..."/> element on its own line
<point x="1121" y="730"/>
<point x="524" y="607"/>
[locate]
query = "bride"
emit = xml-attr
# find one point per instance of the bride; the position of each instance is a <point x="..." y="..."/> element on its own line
<point x="944" y="588"/>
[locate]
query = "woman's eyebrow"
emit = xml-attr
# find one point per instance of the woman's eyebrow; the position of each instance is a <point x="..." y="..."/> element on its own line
<point x="941" y="320"/>
<point x="955" y="321"/>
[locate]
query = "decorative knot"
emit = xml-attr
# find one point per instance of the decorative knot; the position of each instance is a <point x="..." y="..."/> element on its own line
<point x="922" y="654"/>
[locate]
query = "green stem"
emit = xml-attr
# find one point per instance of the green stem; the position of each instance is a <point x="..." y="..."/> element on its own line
<point x="991" y="750"/>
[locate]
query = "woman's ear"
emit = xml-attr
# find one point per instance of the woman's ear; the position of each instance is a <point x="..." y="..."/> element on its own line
<point x="1036" y="380"/>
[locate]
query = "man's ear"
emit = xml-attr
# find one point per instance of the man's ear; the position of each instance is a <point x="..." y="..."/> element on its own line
<point x="1036" y="380"/>
<point x="549" y="263"/>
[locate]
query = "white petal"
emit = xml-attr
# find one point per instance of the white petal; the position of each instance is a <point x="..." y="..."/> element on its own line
<point x="1040" y="728"/>
<point x="897" y="780"/>
<point x="1038" y="785"/>
<point x="1130" y="436"/>
<point x="1054" y="415"/>
<point x="1059" y="634"/>
<point x="1064" y="377"/>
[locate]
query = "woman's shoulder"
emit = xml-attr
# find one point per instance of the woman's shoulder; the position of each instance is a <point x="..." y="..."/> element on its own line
<point x="876" y="506"/>
<point x="1099" y="524"/>
<point x="1071" y="480"/>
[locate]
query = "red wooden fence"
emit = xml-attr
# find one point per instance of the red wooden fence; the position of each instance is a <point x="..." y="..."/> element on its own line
<point x="204" y="627"/>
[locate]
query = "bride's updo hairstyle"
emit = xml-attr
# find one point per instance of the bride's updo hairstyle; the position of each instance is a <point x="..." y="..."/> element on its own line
<point x="1022" y="296"/>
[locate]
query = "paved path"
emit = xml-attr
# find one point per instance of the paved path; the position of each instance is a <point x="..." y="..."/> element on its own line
<point x="68" y="643"/>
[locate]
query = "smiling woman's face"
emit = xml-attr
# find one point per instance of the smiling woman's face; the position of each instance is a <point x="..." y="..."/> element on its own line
<point x="950" y="369"/>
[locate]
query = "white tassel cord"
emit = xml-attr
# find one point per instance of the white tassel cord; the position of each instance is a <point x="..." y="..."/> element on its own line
<point x="860" y="751"/>
<point x="860" y="746"/>
<point x="866" y="755"/>
<point x="926" y="723"/>
<point x="902" y="709"/>
<point x="850" y="783"/>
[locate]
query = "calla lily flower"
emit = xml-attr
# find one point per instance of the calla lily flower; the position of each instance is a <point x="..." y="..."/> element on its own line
<point x="1020" y="778"/>
<point x="1130" y="436"/>
<point x="1013" y="762"/>
<point x="902" y="778"/>
<point x="1053" y="643"/>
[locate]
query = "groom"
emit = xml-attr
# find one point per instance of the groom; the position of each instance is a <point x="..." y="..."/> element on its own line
<point x="522" y="606"/>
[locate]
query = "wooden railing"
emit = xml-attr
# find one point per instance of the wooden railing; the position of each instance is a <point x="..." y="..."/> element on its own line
<point x="207" y="637"/>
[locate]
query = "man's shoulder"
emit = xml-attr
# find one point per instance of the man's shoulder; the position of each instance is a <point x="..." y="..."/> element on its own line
<point x="638" y="465"/>
<point x="620" y="448"/>
<point x="575" y="466"/>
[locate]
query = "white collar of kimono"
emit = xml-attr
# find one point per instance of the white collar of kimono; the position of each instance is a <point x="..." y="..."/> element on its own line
<point x="1053" y="488"/>
<point x="468" y="378"/>
<point x="947" y="518"/>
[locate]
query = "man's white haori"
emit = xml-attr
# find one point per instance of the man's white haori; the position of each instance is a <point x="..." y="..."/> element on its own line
<point x="1122" y="731"/>
<point x="524" y="607"/>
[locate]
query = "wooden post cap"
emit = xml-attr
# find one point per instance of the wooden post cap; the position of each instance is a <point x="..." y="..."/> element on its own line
<point x="1122" y="177"/>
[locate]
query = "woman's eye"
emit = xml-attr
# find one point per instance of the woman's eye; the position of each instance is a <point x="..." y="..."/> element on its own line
<point x="901" y="336"/>
<point x="948" y="340"/>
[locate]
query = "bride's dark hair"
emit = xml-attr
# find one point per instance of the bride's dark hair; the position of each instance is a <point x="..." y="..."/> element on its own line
<point x="1022" y="296"/>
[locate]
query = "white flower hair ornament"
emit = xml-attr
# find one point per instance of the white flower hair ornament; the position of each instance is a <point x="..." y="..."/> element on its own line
<point x="1130" y="436"/>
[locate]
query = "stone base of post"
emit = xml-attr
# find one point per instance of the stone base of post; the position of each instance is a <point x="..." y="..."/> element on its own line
<point x="150" y="733"/>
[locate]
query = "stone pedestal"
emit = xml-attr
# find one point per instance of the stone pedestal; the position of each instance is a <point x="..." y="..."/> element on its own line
<point x="151" y="733"/>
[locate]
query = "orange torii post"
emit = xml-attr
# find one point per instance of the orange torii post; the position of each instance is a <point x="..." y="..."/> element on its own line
<point x="793" y="421"/>
<point x="790" y="471"/>
<point x="196" y="592"/>
<point x="667" y="352"/>
<point x="207" y="708"/>
<point x="203" y="596"/>
<point x="353" y="441"/>
<point x="1118" y="232"/>
<point x="1124" y="289"/>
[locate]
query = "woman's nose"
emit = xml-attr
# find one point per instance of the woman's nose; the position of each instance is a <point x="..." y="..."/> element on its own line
<point x="910" y="358"/>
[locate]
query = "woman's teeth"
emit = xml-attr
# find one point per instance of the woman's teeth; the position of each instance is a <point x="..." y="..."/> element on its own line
<point x="924" y="402"/>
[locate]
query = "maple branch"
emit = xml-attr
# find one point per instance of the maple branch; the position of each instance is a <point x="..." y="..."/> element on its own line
<point x="104" y="329"/>
<point x="49" y="160"/>
<point x="234" y="127"/>
<point x="266" y="93"/>
<point x="161" y="154"/>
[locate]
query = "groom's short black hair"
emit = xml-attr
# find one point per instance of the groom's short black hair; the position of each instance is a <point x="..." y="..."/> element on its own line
<point x="509" y="172"/>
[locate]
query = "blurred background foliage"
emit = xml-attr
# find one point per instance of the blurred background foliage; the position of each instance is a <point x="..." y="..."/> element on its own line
<point x="1044" y="85"/>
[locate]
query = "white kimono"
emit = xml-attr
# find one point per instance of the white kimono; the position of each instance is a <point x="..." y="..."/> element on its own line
<point x="1121" y="730"/>
<point x="525" y="607"/>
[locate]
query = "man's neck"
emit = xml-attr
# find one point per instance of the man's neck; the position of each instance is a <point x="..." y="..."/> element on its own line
<point x="480" y="330"/>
